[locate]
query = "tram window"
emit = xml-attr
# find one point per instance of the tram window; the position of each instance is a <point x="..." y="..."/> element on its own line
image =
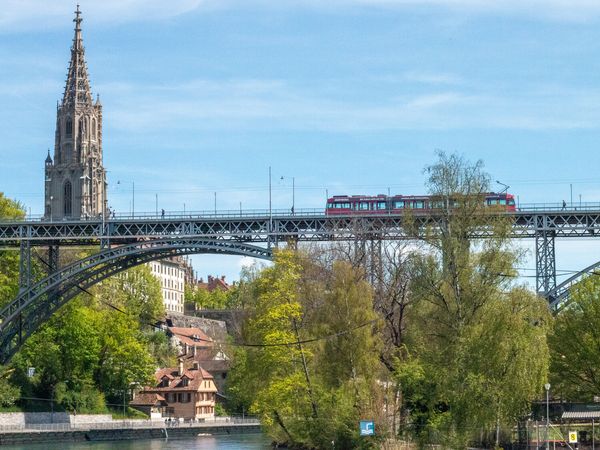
<point x="330" y="205"/>
<point x="511" y="202"/>
<point x="399" y="204"/>
<point x="419" y="204"/>
<point x="380" y="205"/>
<point x="503" y="201"/>
<point x="363" y="206"/>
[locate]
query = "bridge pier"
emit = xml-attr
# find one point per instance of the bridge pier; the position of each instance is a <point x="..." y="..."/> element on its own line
<point x="25" y="266"/>
<point x="545" y="261"/>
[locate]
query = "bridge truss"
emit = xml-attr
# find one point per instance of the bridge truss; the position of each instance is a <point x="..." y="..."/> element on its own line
<point x="125" y="243"/>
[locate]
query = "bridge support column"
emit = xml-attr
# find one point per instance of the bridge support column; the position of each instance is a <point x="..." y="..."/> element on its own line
<point x="545" y="262"/>
<point x="53" y="259"/>
<point x="25" y="266"/>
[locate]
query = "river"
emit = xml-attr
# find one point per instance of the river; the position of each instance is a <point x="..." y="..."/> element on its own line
<point x="249" y="441"/>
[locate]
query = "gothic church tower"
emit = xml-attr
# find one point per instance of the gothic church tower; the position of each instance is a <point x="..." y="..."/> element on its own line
<point x="76" y="180"/>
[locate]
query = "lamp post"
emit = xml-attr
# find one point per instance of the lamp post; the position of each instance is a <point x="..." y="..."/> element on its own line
<point x="293" y="192"/>
<point x="132" y="197"/>
<point x="547" y="387"/>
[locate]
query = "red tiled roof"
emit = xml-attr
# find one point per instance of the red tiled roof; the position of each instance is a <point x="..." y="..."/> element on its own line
<point x="195" y="376"/>
<point x="148" y="399"/>
<point x="196" y="335"/>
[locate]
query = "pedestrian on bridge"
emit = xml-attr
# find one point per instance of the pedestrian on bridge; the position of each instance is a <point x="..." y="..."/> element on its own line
<point x="564" y="205"/>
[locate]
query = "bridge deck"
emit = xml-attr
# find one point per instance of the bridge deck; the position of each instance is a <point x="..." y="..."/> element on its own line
<point x="279" y="227"/>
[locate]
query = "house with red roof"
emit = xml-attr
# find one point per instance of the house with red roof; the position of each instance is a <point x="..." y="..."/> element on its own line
<point x="181" y="393"/>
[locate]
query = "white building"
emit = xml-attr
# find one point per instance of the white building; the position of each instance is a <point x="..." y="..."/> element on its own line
<point x="171" y="275"/>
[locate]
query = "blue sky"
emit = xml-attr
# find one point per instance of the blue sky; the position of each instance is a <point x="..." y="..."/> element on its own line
<point x="349" y="96"/>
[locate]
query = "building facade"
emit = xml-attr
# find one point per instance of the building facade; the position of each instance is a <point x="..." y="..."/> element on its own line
<point x="187" y="393"/>
<point x="75" y="179"/>
<point x="170" y="273"/>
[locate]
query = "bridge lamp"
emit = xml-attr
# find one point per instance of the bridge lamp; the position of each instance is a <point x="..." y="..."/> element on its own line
<point x="132" y="196"/>
<point x="293" y="192"/>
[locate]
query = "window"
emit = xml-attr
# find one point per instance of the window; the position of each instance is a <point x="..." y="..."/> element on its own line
<point x="363" y="206"/>
<point x="93" y="128"/>
<point x="381" y="205"/>
<point x="399" y="204"/>
<point x="67" y="199"/>
<point x="418" y="204"/>
<point x="503" y="201"/>
<point x="69" y="127"/>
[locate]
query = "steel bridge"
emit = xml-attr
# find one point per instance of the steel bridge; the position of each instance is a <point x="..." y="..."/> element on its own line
<point x="125" y="242"/>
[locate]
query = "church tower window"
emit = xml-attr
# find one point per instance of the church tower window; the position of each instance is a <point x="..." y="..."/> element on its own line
<point x="68" y="199"/>
<point x="69" y="128"/>
<point x="93" y="128"/>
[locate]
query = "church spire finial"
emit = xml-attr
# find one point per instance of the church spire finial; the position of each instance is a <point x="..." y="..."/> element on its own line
<point x="77" y="19"/>
<point x="77" y="89"/>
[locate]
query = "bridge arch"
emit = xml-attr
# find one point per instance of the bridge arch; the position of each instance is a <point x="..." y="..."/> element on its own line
<point x="560" y="295"/>
<point x="34" y="306"/>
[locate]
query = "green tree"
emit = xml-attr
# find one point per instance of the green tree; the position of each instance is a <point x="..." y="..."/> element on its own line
<point x="9" y="261"/>
<point x="575" y="344"/>
<point x="312" y="368"/>
<point x="97" y="346"/>
<point x="464" y="337"/>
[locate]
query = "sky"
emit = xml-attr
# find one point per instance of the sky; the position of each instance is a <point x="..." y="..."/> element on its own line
<point x="342" y="96"/>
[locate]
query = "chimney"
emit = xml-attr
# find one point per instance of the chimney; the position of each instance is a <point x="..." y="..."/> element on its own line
<point x="180" y="367"/>
<point x="196" y="365"/>
<point x="185" y="348"/>
<point x="222" y="277"/>
<point x="194" y="350"/>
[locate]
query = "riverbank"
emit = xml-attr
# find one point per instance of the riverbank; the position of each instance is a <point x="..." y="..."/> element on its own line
<point x="121" y="430"/>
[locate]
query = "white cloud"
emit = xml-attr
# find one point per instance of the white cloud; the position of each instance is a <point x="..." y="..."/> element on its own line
<point x="17" y="15"/>
<point x="276" y="105"/>
<point x="43" y="14"/>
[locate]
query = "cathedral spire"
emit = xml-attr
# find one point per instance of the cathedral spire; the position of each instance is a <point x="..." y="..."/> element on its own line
<point x="77" y="88"/>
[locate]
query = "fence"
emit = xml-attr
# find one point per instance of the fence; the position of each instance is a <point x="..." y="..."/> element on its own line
<point x="132" y="424"/>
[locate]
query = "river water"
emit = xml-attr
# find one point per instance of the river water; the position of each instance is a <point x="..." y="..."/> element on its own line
<point x="249" y="441"/>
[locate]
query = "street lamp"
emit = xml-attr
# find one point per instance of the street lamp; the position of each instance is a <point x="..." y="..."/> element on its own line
<point x="547" y="387"/>
<point x="293" y="192"/>
<point x="132" y="197"/>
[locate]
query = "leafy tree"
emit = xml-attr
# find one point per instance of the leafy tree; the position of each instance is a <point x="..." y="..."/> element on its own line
<point x="575" y="344"/>
<point x="313" y="389"/>
<point x="97" y="347"/>
<point x="9" y="261"/>
<point x="465" y="337"/>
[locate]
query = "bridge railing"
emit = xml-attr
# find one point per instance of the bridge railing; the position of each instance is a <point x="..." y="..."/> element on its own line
<point x="170" y="215"/>
<point x="287" y="212"/>
<point x="558" y="206"/>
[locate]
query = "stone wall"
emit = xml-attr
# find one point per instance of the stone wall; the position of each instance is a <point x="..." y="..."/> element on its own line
<point x="19" y="418"/>
<point x="33" y="418"/>
<point x="215" y="329"/>
<point x="90" y="418"/>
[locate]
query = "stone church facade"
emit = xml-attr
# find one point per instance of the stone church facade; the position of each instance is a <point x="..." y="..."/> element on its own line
<point x="75" y="179"/>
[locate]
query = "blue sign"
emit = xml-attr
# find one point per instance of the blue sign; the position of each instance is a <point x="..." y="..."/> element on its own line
<point x="367" y="428"/>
